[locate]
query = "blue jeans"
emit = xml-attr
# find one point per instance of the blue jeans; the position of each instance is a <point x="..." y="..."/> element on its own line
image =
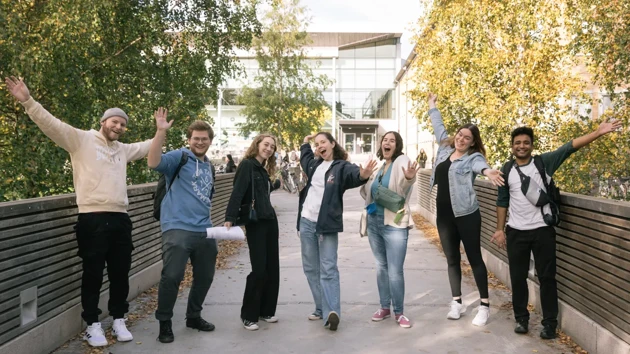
<point x="389" y="245"/>
<point x="319" y="260"/>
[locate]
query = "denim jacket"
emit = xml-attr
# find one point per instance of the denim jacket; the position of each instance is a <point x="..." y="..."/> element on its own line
<point x="461" y="174"/>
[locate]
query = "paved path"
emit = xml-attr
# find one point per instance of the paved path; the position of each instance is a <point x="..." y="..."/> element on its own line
<point x="426" y="304"/>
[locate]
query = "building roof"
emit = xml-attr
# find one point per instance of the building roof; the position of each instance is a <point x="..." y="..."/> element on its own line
<point x="340" y="40"/>
<point x="406" y="64"/>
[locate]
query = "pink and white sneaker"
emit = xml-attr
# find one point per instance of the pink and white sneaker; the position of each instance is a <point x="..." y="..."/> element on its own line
<point x="403" y="321"/>
<point x="381" y="314"/>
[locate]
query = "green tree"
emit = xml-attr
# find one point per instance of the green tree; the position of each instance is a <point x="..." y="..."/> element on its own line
<point x="285" y="98"/>
<point x="498" y="65"/>
<point x="82" y="57"/>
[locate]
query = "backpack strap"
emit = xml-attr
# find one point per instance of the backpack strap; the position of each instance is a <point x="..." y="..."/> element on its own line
<point x="507" y="167"/>
<point x="540" y="166"/>
<point x="182" y="162"/>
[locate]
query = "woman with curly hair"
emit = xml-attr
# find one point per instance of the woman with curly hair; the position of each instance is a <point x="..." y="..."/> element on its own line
<point x="252" y="184"/>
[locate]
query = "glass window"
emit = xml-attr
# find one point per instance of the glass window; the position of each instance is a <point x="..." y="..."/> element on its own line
<point x="386" y="49"/>
<point x="367" y="51"/>
<point x="365" y="63"/>
<point x="346" y="53"/>
<point x="365" y="79"/>
<point x="385" y="78"/>
<point x="345" y="78"/>
<point x="382" y="63"/>
<point x="345" y="64"/>
<point x="349" y="145"/>
<point x="325" y="63"/>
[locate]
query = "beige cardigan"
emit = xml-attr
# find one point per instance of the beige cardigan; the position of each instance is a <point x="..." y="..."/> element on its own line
<point x="397" y="183"/>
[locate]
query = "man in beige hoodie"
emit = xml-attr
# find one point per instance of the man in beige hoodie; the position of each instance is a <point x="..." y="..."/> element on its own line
<point x="103" y="229"/>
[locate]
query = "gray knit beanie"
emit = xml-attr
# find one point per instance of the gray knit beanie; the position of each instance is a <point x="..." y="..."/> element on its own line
<point x="114" y="112"/>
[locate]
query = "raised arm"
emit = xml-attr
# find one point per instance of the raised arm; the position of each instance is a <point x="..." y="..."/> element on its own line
<point x="306" y="153"/>
<point x="64" y="135"/>
<point x="155" y="151"/>
<point x="436" y="119"/>
<point x="603" y="129"/>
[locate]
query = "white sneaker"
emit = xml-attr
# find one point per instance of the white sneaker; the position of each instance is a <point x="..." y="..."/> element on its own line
<point x="314" y="316"/>
<point x="483" y="313"/>
<point x="270" y="319"/>
<point x="456" y="310"/>
<point x="120" y="331"/>
<point x="250" y="326"/>
<point x="95" y="336"/>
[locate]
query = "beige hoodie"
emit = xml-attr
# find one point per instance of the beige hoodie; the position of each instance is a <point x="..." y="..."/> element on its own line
<point x="99" y="167"/>
<point x="397" y="183"/>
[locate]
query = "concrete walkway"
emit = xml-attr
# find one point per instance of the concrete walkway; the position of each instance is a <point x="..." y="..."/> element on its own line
<point x="426" y="304"/>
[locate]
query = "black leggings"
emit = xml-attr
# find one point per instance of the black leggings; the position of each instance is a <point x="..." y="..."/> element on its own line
<point x="466" y="229"/>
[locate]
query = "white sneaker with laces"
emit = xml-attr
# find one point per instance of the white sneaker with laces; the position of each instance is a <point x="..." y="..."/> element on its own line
<point x="120" y="331"/>
<point x="483" y="313"/>
<point x="456" y="310"/>
<point x="95" y="336"/>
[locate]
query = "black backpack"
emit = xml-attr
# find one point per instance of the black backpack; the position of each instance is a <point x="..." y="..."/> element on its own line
<point x="553" y="192"/>
<point x="160" y="190"/>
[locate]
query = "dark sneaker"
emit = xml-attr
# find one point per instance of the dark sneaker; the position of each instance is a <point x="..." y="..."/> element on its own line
<point x="333" y="321"/>
<point x="315" y="316"/>
<point x="249" y="325"/>
<point x="548" y="332"/>
<point x="166" y="332"/>
<point x="521" y="327"/>
<point x="199" y="324"/>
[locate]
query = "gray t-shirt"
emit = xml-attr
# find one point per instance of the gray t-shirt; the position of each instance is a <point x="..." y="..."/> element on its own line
<point x="523" y="215"/>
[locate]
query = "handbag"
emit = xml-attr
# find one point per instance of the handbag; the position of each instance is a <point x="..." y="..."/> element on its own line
<point x="363" y="224"/>
<point x="247" y="212"/>
<point x="389" y="199"/>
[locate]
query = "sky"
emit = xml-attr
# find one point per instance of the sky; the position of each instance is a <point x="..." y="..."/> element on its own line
<point x="397" y="16"/>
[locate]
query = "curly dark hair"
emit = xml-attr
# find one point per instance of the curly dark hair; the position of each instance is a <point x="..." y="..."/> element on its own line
<point x="338" y="152"/>
<point x="522" y="131"/>
<point x="397" y="150"/>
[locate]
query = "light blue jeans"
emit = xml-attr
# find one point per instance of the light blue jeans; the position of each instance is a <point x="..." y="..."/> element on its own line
<point x="319" y="260"/>
<point x="389" y="246"/>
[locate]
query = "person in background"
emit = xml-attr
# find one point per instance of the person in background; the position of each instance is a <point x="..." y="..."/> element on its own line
<point x="422" y="158"/>
<point x="230" y="166"/>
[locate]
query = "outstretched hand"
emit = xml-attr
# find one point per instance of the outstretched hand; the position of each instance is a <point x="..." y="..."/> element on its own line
<point x="432" y="100"/>
<point x="18" y="88"/>
<point x="495" y="176"/>
<point x="411" y="170"/>
<point x="609" y="127"/>
<point x="366" y="172"/>
<point x="160" y="119"/>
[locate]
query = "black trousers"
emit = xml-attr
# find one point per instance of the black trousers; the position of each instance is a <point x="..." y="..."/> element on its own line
<point x="263" y="283"/>
<point x="520" y="244"/>
<point x="104" y="238"/>
<point x="465" y="229"/>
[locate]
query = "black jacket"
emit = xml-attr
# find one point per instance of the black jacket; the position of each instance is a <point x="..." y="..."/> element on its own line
<point x="242" y="191"/>
<point x="230" y="167"/>
<point x="341" y="176"/>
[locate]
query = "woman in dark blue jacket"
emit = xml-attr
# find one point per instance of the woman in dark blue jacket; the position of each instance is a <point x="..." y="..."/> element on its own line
<point x="320" y="219"/>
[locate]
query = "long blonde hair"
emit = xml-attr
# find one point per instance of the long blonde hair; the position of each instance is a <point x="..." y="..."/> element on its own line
<point x="270" y="163"/>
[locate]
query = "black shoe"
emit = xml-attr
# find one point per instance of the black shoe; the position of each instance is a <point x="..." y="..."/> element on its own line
<point x="166" y="332"/>
<point x="333" y="320"/>
<point x="521" y="327"/>
<point x="548" y="332"/>
<point x="200" y="324"/>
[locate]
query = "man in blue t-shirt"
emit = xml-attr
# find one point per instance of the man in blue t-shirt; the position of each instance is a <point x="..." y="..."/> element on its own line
<point x="184" y="218"/>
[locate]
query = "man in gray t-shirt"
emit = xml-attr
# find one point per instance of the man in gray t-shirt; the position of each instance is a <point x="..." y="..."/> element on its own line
<point x="526" y="230"/>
